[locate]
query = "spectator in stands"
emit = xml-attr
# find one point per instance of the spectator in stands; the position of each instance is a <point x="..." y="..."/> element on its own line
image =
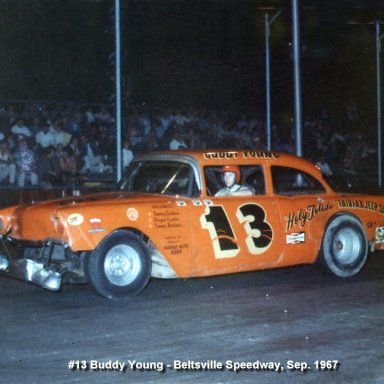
<point x="68" y="167"/>
<point x="92" y="157"/>
<point x="89" y="115"/>
<point x="152" y="142"/>
<point x="144" y="122"/>
<point x="137" y="139"/>
<point x="20" y="130"/>
<point x="49" y="168"/>
<point x="59" y="150"/>
<point x="60" y="136"/>
<point x="72" y="124"/>
<point x="242" y="123"/>
<point x="74" y="144"/>
<point x="257" y="140"/>
<point x="193" y="137"/>
<point x="36" y="125"/>
<point x="348" y="165"/>
<point x="243" y="138"/>
<point x="7" y="164"/>
<point x="127" y="154"/>
<point x="102" y="115"/>
<point x="216" y="128"/>
<point x="166" y="120"/>
<point x="333" y="155"/>
<point x="225" y="135"/>
<point x="204" y="121"/>
<point x="107" y="136"/>
<point x="159" y="129"/>
<point x="181" y="118"/>
<point x="177" y="141"/>
<point x="25" y="159"/>
<point x="44" y="138"/>
<point x="324" y="166"/>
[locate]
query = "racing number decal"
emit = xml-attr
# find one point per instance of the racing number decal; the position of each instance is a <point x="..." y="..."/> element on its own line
<point x="219" y="227"/>
<point x="258" y="230"/>
<point x="223" y="238"/>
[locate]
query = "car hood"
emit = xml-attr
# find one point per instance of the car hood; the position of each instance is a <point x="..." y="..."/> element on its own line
<point x="39" y="221"/>
<point x="96" y="198"/>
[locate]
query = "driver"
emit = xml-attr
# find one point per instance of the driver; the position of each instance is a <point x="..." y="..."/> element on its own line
<point x="231" y="177"/>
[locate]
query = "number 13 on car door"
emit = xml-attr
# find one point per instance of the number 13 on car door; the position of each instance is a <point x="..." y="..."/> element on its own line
<point x="238" y="234"/>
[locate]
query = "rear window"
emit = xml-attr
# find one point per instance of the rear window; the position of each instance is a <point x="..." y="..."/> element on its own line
<point x="291" y="181"/>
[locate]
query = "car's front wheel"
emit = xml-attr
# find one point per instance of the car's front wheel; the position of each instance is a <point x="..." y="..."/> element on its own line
<point x="119" y="266"/>
<point x="344" y="248"/>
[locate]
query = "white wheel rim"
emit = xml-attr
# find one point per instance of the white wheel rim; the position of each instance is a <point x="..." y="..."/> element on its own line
<point x="346" y="246"/>
<point x="122" y="265"/>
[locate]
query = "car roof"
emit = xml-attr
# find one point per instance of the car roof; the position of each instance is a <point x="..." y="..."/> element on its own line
<point x="235" y="156"/>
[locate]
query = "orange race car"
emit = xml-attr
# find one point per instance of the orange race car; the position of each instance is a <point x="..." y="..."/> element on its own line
<point x="188" y="214"/>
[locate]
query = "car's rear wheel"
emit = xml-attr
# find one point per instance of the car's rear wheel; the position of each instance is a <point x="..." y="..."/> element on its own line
<point x="119" y="266"/>
<point x="344" y="248"/>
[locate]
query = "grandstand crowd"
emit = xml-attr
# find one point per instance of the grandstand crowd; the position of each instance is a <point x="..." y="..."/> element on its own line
<point x="49" y="145"/>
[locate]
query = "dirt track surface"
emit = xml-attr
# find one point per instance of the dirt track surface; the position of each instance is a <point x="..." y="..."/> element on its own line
<point x="275" y="316"/>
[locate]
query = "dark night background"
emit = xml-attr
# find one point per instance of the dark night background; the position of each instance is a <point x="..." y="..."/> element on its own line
<point x="206" y="54"/>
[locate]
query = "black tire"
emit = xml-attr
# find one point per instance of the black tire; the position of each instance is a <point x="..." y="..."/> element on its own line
<point x="119" y="266"/>
<point x="344" y="248"/>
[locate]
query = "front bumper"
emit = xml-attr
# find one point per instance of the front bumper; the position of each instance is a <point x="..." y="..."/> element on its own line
<point x="42" y="263"/>
<point x="31" y="271"/>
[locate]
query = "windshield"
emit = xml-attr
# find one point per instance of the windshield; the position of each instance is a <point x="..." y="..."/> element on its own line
<point x="160" y="177"/>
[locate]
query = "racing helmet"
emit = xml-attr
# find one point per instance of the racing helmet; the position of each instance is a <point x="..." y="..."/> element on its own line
<point x="232" y="168"/>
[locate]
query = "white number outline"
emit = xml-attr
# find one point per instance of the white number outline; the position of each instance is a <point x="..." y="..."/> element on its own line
<point x="251" y="232"/>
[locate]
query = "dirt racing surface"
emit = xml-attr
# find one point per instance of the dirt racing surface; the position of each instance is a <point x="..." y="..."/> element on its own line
<point x="290" y="325"/>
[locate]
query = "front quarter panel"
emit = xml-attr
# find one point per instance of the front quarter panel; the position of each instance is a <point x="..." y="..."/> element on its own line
<point x="165" y="222"/>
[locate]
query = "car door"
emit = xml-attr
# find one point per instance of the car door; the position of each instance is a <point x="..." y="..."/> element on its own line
<point x="236" y="233"/>
<point x="304" y="209"/>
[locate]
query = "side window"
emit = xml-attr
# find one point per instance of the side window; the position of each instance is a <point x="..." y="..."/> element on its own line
<point x="290" y="181"/>
<point x="252" y="176"/>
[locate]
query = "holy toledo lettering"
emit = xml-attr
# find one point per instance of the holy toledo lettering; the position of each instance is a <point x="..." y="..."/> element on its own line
<point x="305" y="215"/>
